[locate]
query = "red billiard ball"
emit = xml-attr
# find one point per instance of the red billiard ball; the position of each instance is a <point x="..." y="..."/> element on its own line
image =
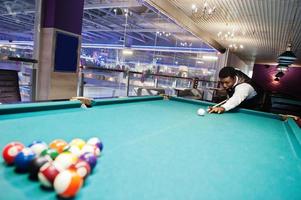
<point x="10" y="151"/>
<point x="48" y="172"/>
<point x="67" y="183"/>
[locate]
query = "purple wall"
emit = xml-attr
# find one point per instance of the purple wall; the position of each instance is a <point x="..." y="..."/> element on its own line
<point x="65" y="15"/>
<point x="289" y="84"/>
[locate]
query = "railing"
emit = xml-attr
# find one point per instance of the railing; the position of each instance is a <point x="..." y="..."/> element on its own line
<point x="103" y="82"/>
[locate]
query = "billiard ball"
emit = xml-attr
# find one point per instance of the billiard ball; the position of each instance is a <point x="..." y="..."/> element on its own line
<point x="89" y="158"/>
<point x="58" y="144"/>
<point x="52" y="153"/>
<point x="48" y="172"/>
<point x="88" y="148"/>
<point x="73" y="149"/>
<point x="36" y="164"/>
<point x="201" y="112"/>
<point x="10" y="152"/>
<point x="96" y="141"/>
<point x="23" y="159"/>
<point x="38" y="147"/>
<point x="77" y="142"/>
<point x="67" y="183"/>
<point x="66" y="159"/>
<point x="82" y="168"/>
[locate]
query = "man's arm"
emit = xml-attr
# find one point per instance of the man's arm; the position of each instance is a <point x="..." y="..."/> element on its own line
<point x="242" y="92"/>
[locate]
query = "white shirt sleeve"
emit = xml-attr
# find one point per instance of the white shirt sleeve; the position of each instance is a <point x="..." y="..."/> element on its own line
<point x="242" y="91"/>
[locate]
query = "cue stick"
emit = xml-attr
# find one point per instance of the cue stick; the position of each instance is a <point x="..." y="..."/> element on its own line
<point x="219" y="104"/>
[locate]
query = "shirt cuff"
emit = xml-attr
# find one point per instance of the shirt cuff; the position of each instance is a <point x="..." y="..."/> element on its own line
<point x="227" y="106"/>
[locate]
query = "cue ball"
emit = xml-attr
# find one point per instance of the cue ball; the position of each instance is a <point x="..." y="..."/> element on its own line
<point x="201" y="112"/>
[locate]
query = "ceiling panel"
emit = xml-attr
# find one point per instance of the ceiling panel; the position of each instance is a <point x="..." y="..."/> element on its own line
<point x="264" y="27"/>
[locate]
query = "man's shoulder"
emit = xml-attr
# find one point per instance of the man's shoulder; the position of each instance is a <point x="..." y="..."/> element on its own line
<point x="244" y="86"/>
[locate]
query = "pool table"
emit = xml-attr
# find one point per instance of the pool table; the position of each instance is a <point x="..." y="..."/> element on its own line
<point x="158" y="148"/>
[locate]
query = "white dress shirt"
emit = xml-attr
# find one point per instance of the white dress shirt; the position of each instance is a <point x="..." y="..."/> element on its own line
<point x="242" y="91"/>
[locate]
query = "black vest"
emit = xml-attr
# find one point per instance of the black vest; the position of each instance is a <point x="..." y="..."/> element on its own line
<point x="256" y="101"/>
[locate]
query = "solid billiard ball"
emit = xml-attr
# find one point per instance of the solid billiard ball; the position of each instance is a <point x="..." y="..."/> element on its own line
<point x="36" y="164"/>
<point x="10" y="152"/>
<point x="77" y="142"/>
<point x="82" y="168"/>
<point x="23" y="159"/>
<point x="52" y="153"/>
<point x="67" y="183"/>
<point x="38" y="147"/>
<point x="66" y="159"/>
<point x="96" y="141"/>
<point x="48" y="172"/>
<point x="88" y="148"/>
<point x="89" y="158"/>
<point x="201" y="112"/>
<point x="58" y="144"/>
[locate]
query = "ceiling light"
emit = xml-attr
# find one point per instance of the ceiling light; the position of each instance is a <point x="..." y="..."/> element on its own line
<point x="127" y="52"/>
<point x="279" y="74"/>
<point x="287" y="57"/>
<point x="282" y="68"/>
<point x="210" y="58"/>
<point x="205" y="12"/>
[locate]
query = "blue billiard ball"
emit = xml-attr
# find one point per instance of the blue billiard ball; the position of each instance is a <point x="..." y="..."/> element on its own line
<point x="23" y="159"/>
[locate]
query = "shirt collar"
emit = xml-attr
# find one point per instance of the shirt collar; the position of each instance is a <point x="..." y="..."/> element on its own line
<point x="236" y="81"/>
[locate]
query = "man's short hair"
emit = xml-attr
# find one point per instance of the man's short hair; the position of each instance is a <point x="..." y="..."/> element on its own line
<point x="227" y="72"/>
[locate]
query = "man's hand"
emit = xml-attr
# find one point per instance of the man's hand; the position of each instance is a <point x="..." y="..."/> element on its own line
<point x="218" y="110"/>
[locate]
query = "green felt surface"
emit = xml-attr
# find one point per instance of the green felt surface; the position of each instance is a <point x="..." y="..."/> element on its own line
<point x="161" y="149"/>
